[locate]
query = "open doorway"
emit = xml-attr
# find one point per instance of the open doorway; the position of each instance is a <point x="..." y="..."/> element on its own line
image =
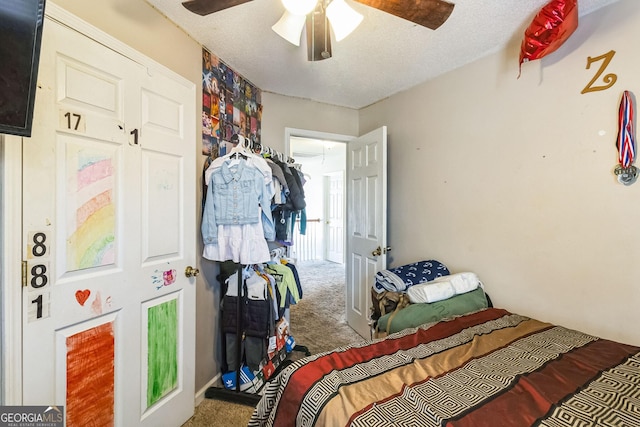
<point x="320" y="250"/>
<point x="366" y="226"/>
<point x="323" y="165"/>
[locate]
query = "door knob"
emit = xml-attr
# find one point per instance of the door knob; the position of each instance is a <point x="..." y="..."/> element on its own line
<point x="379" y="251"/>
<point x="191" y="272"/>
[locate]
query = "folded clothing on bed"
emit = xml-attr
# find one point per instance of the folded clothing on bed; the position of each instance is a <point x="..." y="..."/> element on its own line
<point x="415" y="315"/>
<point x="398" y="279"/>
<point x="443" y="288"/>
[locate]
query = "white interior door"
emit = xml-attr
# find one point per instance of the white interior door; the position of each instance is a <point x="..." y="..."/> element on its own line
<point x="366" y="223"/>
<point x="334" y="224"/>
<point x="108" y="230"/>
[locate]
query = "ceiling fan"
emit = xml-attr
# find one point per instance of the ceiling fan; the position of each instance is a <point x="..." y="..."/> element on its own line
<point x="320" y="15"/>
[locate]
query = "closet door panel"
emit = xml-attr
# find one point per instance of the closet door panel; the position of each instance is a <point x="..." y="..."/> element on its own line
<point x="90" y="99"/>
<point x="162" y="198"/>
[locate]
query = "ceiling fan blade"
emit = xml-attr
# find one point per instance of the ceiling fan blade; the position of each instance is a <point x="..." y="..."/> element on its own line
<point x="318" y="35"/>
<point x="428" y="13"/>
<point x="205" y="7"/>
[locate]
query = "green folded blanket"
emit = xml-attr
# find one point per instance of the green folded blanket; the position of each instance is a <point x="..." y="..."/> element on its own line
<point x="416" y="314"/>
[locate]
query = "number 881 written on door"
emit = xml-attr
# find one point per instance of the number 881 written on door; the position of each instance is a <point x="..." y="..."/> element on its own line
<point x="37" y="275"/>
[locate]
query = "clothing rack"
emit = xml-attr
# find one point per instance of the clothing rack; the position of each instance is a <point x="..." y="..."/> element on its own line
<point x="241" y="146"/>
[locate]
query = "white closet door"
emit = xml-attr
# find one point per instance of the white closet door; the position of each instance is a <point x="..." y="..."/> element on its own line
<point x="108" y="229"/>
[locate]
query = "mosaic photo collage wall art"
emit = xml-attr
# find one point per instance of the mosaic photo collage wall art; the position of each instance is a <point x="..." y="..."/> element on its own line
<point x="230" y="105"/>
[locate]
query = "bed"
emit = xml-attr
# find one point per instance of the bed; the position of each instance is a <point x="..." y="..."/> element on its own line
<point x="485" y="368"/>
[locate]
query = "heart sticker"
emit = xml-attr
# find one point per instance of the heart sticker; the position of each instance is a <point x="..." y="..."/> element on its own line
<point x="83" y="296"/>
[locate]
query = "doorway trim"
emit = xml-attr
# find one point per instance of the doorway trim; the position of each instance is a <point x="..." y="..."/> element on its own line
<point x="312" y="134"/>
<point x="325" y="136"/>
<point x="11" y="263"/>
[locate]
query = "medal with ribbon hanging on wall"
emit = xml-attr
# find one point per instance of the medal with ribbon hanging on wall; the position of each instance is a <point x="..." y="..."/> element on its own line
<point x="625" y="143"/>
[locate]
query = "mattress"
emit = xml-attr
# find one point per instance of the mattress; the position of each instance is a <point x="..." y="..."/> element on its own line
<point x="486" y="368"/>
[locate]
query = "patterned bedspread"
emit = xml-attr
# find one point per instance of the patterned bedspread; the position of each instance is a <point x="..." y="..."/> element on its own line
<point x="489" y="368"/>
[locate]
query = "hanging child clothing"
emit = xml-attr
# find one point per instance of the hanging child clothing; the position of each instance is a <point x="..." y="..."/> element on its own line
<point x="288" y="286"/>
<point x="286" y="210"/>
<point x="237" y="220"/>
<point x="257" y="322"/>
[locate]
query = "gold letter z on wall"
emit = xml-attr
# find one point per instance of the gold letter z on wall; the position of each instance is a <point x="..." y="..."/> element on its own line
<point x="609" y="79"/>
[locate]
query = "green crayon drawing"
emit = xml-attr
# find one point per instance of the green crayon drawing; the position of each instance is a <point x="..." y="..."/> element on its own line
<point x="162" y="355"/>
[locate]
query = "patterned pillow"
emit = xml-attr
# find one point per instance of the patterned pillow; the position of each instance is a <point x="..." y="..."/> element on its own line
<point x="400" y="278"/>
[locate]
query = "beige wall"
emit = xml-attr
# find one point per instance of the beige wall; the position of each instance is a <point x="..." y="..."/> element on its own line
<point x="282" y="112"/>
<point x="512" y="178"/>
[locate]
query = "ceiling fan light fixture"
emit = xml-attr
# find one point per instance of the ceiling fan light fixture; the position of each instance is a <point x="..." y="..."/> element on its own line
<point x="343" y="18"/>
<point x="289" y="27"/>
<point x="299" y="7"/>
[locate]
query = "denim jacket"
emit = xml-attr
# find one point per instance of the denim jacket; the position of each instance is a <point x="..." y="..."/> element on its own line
<point x="236" y="193"/>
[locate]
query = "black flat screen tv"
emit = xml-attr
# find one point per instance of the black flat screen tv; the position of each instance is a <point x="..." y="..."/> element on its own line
<point x="21" y="24"/>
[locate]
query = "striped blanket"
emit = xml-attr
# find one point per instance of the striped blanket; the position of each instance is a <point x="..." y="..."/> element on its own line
<point x="488" y="368"/>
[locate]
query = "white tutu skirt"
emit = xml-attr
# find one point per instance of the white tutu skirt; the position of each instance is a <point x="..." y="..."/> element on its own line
<point x="244" y="244"/>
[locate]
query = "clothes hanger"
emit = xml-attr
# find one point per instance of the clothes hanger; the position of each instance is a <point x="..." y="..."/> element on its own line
<point x="239" y="150"/>
<point x="276" y="255"/>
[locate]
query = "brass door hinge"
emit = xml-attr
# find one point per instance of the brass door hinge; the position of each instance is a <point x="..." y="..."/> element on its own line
<point x="24" y="274"/>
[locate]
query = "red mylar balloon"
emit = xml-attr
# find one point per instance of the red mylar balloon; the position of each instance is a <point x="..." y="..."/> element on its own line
<point x="555" y="22"/>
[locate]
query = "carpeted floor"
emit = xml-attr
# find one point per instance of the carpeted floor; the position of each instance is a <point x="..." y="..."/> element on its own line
<point x="318" y="322"/>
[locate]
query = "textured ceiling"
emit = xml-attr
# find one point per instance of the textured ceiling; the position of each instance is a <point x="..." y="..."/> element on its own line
<point x="383" y="56"/>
